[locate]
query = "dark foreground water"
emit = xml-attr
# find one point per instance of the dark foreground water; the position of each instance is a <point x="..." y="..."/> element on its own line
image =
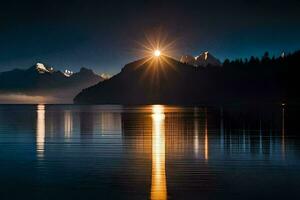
<point x="150" y="152"/>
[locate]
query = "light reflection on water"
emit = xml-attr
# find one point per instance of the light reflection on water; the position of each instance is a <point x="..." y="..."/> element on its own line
<point x="155" y="152"/>
<point x="68" y="123"/>
<point x="206" y="138"/>
<point x="40" y="131"/>
<point x="158" y="185"/>
<point x="283" y="133"/>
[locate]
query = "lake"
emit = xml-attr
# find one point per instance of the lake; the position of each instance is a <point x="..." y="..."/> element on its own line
<point x="147" y="152"/>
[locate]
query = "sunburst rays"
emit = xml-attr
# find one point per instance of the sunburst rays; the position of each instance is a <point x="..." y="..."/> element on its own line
<point x="157" y="49"/>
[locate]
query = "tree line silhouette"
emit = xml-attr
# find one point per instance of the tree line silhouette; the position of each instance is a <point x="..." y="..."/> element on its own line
<point x="266" y="78"/>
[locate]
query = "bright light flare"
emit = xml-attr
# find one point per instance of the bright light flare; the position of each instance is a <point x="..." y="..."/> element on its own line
<point x="157" y="53"/>
<point x="157" y="44"/>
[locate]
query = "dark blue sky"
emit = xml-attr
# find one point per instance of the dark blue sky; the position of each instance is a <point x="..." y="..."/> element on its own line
<point x="104" y="36"/>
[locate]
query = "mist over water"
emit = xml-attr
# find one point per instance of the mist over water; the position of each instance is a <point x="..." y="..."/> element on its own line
<point x="19" y="98"/>
<point x="148" y="152"/>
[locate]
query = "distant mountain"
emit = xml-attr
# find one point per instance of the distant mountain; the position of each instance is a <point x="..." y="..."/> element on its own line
<point x="164" y="80"/>
<point x="204" y="59"/>
<point x="42" y="80"/>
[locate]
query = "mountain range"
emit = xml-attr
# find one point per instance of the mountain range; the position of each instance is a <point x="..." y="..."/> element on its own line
<point x="203" y="60"/>
<point x="165" y="80"/>
<point x="42" y="80"/>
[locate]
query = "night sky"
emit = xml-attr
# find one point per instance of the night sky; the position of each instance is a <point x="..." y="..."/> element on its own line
<point x="105" y="36"/>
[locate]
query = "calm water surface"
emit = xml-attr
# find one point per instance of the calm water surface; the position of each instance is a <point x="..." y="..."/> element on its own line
<point x="150" y="152"/>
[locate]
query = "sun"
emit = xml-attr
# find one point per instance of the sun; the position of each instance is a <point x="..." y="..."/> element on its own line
<point x="157" y="53"/>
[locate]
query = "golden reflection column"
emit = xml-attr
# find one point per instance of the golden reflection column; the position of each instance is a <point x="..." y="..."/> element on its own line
<point x="158" y="184"/>
<point x="40" y="131"/>
<point x="68" y="124"/>
<point x="196" y="132"/>
<point x="206" y="137"/>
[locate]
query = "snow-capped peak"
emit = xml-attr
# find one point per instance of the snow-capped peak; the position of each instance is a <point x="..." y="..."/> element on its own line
<point x="68" y="73"/>
<point x="205" y="55"/>
<point x="40" y="67"/>
<point x="203" y="59"/>
<point x="188" y="59"/>
<point x="105" y="76"/>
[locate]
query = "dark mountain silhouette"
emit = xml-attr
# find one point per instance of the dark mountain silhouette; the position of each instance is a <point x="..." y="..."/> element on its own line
<point x="41" y="80"/>
<point x="167" y="81"/>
